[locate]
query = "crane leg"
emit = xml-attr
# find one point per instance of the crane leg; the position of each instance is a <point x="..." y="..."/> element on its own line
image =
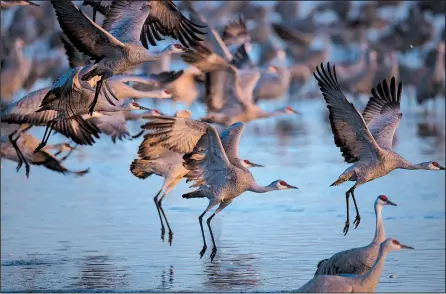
<point x="220" y="208"/>
<point x="347" y="222"/>
<point x="68" y="154"/>
<point x="22" y="158"/>
<point x="155" y="199"/>
<point x="165" y="218"/>
<point x="96" y="95"/>
<point x="200" y="219"/>
<point x="358" y="217"/>
<point x="46" y="135"/>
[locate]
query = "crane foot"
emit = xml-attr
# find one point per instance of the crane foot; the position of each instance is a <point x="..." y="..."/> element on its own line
<point x="170" y="238"/>
<point x="214" y="251"/>
<point x="19" y="165"/>
<point x="163" y="232"/>
<point x="357" y="221"/>
<point x="203" y="251"/>
<point x="346" y="227"/>
<point x="27" y="170"/>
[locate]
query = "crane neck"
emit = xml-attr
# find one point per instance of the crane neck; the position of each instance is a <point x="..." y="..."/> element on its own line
<point x="256" y="188"/>
<point x="404" y="164"/>
<point x="371" y="278"/>
<point x="125" y="91"/>
<point x="439" y="66"/>
<point x="380" y="234"/>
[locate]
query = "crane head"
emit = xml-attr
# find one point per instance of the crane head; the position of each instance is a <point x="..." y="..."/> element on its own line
<point x="247" y="164"/>
<point x="282" y="185"/>
<point x="289" y="110"/>
<point x="433" y="165"/>
<point x="393" y="244"/>
<point x="383" y="200"/>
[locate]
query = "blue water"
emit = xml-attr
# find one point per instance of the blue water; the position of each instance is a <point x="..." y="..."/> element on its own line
<point x="101" y="232"/>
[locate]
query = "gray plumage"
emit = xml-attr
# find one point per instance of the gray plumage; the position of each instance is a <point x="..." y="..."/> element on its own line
<point x="27" y="143"/>
<point x="216" y="172"/>
<point x="357" y="260"/>
<point x="13" y="3"/>
<point x="237" y="103"/>
<point x="15" y="72"/>
<point x="159" y="160"/>
<point x="365" y="140"/>
<point x="354" y="283"/>
<point x="164" y="19"/>
<point x="24" y="112"/>
<point x="431" y="83"/>
<point x="115" y="47"/>
<point x="274" y="83"/>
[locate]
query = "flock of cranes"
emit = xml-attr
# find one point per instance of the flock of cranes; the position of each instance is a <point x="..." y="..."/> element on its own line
<point x="89" y="98"/>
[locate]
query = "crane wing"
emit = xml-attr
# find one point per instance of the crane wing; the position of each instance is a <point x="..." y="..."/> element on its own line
<point x="157" y="81"/>
<point x="350" y="131"/>
<point x="125" y="20"/>
<point x="207" y="61"/>
<point x="382" y="113"/>
<point x="200" y="141"/>
<point x="88" y="37"/>
<point x="344" y="262"/>
<point x="230" y="139"/>
<point x="166" y="19"/>
<point x="75" y="58"/>
<point x="112" y="124"/>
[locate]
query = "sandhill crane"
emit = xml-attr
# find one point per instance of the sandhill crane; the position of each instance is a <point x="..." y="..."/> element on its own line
<point x="357" y="260"/>
<point x="431" y="82"/>
<point x="169" y="165"/>
<point x="27" y="143"/>
<point x="236" y="33"/>
<point x="15" y="71"/>
<point x="12" y="3"/>
<point x="22" y="113"/>
<point x="354" y="283"/>
<point x="116" y="47"/>
<point x="75" y="99"/>
<point x="238" y="105"/>
<point x="274" y="83"/>
<point x="365" y="140"/>
<point x="118" y="86"/>
<point x="217" y="172"/>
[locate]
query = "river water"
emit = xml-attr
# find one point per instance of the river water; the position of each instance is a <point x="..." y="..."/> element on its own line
<point x="102" y="232"/>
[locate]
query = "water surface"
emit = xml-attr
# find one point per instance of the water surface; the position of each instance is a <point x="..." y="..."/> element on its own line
<point x="101" y="231"/>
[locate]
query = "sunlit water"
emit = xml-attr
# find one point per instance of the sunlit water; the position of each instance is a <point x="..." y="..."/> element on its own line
<point x="102" y="232"/>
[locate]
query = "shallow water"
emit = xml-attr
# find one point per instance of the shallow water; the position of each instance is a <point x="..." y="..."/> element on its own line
<point x="102" y="232"/>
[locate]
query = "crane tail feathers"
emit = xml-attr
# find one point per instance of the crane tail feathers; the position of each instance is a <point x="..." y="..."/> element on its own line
<point x="194" y="194"/>
<point x="321" y="262"/>
<point x="338" y="182"/>
<point x="141" y="168"/>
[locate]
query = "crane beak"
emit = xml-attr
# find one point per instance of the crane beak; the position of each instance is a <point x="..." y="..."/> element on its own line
<point x="144" y="108"/>
<point x="391" y="203"/>
<point x="256" y="165"/>
<point x="406" y="247"/>
<point x="292" y="187"/>
<point x="442" y="168"/>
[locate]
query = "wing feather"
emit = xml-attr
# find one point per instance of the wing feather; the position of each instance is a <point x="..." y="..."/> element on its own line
<point x="205" y="156"/>
<point x="350" y="131"/>
<point x="382" y="113"/>
<point x="230" y="139"/>
<point x="167" y="20"/>
<point x="83" y="33"/>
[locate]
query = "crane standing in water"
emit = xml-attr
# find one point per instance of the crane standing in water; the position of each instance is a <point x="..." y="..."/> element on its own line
<point x="357" y="260"/>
